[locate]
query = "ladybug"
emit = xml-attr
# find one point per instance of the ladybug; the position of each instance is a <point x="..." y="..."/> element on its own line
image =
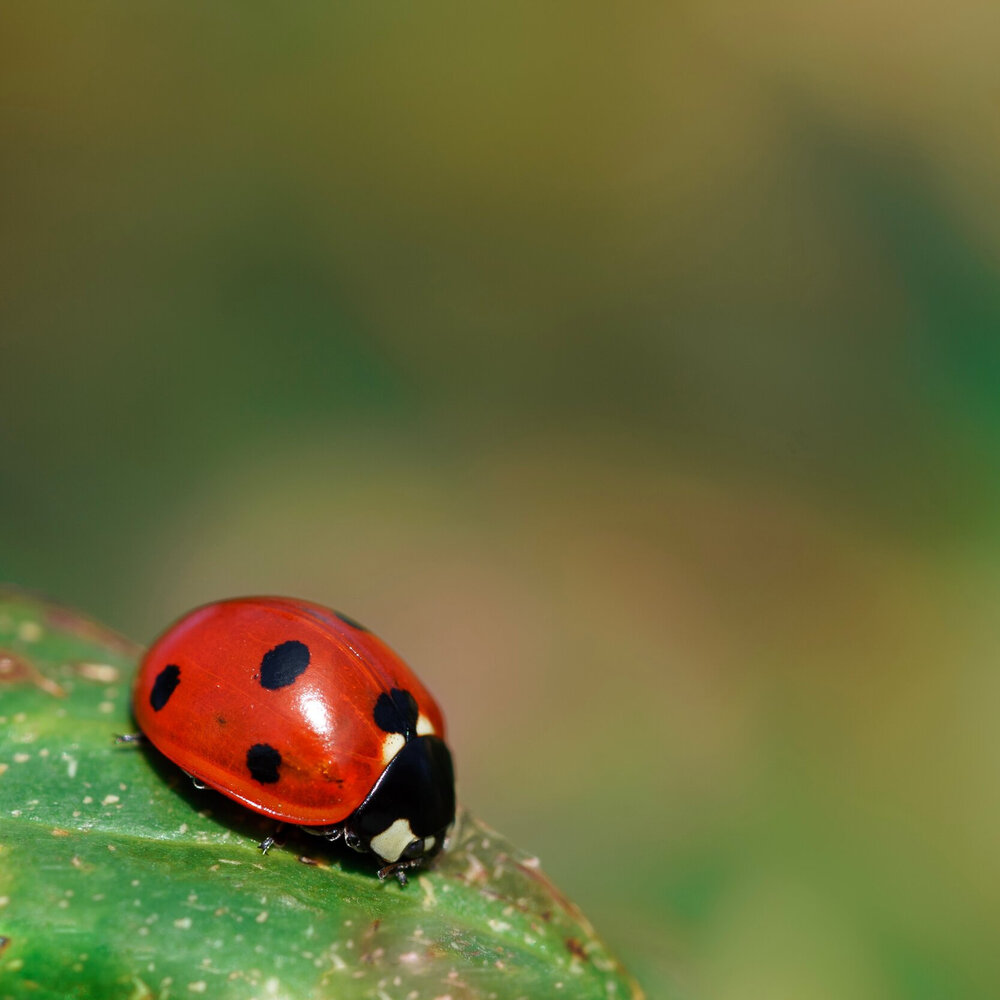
<point x="300" y="713"/>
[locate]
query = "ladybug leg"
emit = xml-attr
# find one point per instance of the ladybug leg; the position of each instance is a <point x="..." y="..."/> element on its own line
<point x="268" y="842"/>
<point x="330" y="833"/>
<point x="398" y="869"/>
<point x="130" y="738"/>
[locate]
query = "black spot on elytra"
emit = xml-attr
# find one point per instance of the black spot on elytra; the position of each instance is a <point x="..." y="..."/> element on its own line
<point x="396" y="712"/>
<point x="348" y="620"/>
<point x="164" y="686"/>
<point x="283" y="664"/>
<point x="263" y="762"/>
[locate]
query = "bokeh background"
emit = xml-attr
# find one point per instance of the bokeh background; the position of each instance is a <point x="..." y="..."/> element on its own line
<point x="633" y="369"/>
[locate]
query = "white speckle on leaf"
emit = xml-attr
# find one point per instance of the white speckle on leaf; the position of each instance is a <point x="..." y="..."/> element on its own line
<point x="29" y="631"/>
<point x="261" y="917"/>
<point x="198" y="987"/>
<point x="106" y="707"/>
<point x="21" y="758"/>
<point x="476" y="871"/>
<point x="109" y="800"/>
<point x="429" y="899"/>
<point x="103" y="673"/>
<point x="182" y="923"/>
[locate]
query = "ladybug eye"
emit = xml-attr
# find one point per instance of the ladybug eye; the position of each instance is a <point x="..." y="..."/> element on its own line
<point x="414" y="850"/>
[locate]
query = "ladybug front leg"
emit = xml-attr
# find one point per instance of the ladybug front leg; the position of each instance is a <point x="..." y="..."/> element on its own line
<point x="399" y="869"/>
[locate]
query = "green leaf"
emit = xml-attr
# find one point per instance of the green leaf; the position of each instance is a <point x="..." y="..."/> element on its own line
<point x="119" y="879"/>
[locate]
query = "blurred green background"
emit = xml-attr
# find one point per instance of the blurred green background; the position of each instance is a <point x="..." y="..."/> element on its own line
<point x="633" y="369"/>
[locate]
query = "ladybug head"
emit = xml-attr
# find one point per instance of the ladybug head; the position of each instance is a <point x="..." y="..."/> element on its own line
<point x="405" y="817"/>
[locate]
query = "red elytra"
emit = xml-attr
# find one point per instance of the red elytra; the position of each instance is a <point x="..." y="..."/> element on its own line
<point x="202" y="698"/>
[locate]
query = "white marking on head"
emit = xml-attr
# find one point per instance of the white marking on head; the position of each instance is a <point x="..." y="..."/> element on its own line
<point x="391" y="843"/>
<point x="424" y="726"/>
<point x="391" y="745"/>
<point x="429" y="843"/>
